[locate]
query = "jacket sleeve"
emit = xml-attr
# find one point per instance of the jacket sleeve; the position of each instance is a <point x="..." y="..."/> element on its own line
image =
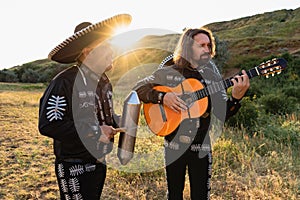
<point x="233" y="106"/>
<point x="144" y="88"/>
<point x="55" y="112"/>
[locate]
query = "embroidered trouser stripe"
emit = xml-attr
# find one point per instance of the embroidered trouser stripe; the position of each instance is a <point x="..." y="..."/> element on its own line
<point x="80" y="180"/>
<point x="209" y="174"/>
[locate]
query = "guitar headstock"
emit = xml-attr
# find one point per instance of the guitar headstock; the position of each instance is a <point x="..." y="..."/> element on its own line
<point x="272" y="67"/>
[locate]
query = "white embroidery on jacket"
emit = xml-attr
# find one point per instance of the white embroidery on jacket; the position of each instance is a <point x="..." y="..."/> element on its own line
<point x="56" y="104"/>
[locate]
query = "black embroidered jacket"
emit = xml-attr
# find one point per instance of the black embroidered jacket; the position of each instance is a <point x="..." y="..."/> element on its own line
<point x="73" y="106"/>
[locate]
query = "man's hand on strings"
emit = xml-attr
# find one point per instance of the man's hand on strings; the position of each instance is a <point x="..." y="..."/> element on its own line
<point x="241" y="84"/>
<point x="175" y="103"/>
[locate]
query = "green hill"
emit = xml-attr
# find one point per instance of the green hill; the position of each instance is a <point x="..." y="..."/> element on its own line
<point x="261" y="35"/>
<point x="256" y="37"/>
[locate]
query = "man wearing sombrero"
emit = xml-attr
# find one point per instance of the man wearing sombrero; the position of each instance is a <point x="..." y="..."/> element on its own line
<point x="76" y="109"/>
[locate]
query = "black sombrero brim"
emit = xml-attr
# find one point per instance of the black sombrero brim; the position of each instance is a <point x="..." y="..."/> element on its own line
<point x="69" y="50"/>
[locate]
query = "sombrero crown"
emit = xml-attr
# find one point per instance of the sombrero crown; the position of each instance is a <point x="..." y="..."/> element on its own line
<point x="84" y="35"/>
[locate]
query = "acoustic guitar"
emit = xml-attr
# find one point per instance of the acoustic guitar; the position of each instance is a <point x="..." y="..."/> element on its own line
<point x="162" y="120"/>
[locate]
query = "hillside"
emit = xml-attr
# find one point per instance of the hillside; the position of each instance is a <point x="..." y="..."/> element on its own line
<point x="255" y="37"/>
<point x="261" y="35"/>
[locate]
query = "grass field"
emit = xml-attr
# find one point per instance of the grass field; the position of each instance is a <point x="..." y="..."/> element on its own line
<point x="244" y="167"/>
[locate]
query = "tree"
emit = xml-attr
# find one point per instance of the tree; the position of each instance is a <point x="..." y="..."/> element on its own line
<point x="222" y="53"/>
<point x="8" y="76"/>
<point x="30" y="76"/>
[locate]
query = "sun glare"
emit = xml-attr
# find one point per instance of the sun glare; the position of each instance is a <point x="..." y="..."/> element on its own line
<point x="123" y="38"/>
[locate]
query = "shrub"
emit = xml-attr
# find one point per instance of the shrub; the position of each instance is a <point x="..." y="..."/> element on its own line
<point x="247" y="115"/>
<point x="286" y="133"/>
<point x="30" y="76"/>
<point x="278" y="103"/>
<point x="8" y="76"/>
<point x="292" y="91"/>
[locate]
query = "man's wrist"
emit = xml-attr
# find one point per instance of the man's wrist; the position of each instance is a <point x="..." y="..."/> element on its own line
<point x="160" y="97"/>
<point x="235" y="101"/>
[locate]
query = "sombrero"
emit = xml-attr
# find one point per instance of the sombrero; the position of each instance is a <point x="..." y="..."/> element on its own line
<point x="84" y="35"/>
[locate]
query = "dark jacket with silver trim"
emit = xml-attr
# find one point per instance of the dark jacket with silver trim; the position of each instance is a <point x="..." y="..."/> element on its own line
<point x="74" y="105"/>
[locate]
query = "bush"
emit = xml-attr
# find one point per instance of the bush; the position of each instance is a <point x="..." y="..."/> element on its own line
<point x="8" y="76"/>
<point x="222" y="53"/>
<point x="278" y="103"/>
<point x="292" y="91"/>
<point x="286" y="133"/>
<point x="256" y="90"/>
<point x="30" y="76"/>
<point x="247" y="115"/>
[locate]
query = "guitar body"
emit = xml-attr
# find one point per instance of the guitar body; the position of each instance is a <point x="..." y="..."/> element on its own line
<point x="162" y="120"/>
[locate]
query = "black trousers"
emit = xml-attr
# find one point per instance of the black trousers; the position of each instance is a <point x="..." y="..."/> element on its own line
<point x="199" y="166"/>
<point x="80" y="180"/>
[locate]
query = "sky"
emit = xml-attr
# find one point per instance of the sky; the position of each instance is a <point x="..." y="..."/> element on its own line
<point x="30" y="29"/>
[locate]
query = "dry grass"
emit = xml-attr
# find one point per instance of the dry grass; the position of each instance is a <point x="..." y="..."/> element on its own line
<point x="240" y="170"/>
<point x="26" y="159"/>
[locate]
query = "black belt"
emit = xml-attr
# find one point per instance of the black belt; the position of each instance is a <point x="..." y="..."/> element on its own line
<point x="74" y="160"/>
<point x="193" y="147"/>
<point x="78" y="160"/>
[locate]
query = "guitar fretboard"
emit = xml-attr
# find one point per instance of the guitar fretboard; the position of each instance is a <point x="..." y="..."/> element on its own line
<point x="221" y="85"/>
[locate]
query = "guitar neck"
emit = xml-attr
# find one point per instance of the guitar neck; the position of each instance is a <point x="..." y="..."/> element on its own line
<point x="222" y="85"/>
<point x="251" y="74"/>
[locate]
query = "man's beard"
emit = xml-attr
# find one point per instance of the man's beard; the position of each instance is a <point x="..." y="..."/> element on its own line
<point x="204" y="59"/>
